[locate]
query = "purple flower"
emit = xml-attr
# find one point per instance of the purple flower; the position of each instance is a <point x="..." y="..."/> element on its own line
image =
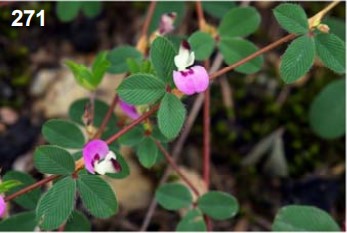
<point x="98" y="158"/>
<point x="2" y="206"/>
<point x="129" y="110"/>
<point x="166" y="24"/>
<point x="189" y="80"/>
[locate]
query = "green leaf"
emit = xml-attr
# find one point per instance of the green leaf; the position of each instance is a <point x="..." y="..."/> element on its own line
<point x="97" y="196"/>
<point x="140" y="89"/>
<point x="162" y="55"/>
<point x="24" y="221"/>
<point x="78" y="222"/>
<point x="7" y="185"/>
<point x="331" y="50"/>
<point x="82" y="75"/>
<point x="235" y="49"/>
<point x="202" y="44"/>
<point x="292" y="18"/>
<point x="192" y="221"/>
<point x="67" y="11"/>
<point x="119" y="56"/>
<point x="28" y="200"/>
<point x="216" y="8"/>
<point x="327" y="112"/>
<point x="337" y="26"/>
<point x="53" y="160"/>
<point x="157" y="134"/>
<point x="218" y="205"/>
<point x="63" y="133"/>
<point x="99" y="68"/>
<point x="164" y="7"/>
<point x="76" y="112"/>
<point x="303" y="218"/>
<point x="240" y="21"/>
<point x="132" y="137"/>
<point x="125" y="168"/>
<point x="91" y="9"/>
<point x="147" y="152"/>
<point x="173" y="196"/>
<point x="171" y="116"/>
<point x="297" y="59"/>
<point x="56" y="205"/>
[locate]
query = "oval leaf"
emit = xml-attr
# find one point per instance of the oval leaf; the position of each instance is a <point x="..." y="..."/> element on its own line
<point x="97" y="196"/>
<point x="19" y="222"/>
<point x="132" y="137"/>
<point x="235" y="49"/>
<point x="216" y="8"/>
<point x="162" y="55"/>
<point x="331" y="50"/>
<point x="78" y="222"/>
<point x="91" y="9"/>
<point x="54" y="160"/>
<point x="202" y="44"/>
<point x="297" y="59"/>
<point x="28" y="200"/>
<point x="171" y="116"/>
<point x="173" y="196"/>
<point x="192" y="221"/>
<point x="67" y="11"/>
<point x="63" y="133"/>
<point x="147" y="152"/>
<point x="241" y="21"/>
<point x="303" y="218"/>
<point x="140" y="89"/>
<point x="218" y="205"/>
<point x="327" y="112"/>
<point x="56" y="205"/>
<point x="118" y="58"/>
<point x="292" y="18"/>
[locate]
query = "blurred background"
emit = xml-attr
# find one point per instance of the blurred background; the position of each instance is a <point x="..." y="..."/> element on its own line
<point x="264" y="151"/>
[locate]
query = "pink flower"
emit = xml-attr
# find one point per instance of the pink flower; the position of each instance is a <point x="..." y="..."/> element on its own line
<point x="166" y="24"/>
<point x="98" y="158"/>
<point x="189" y="80"/>
<point x="129" y="110"/>
<point x="2" y="206"/>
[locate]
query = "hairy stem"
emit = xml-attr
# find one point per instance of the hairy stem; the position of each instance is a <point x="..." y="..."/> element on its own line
<point x="174" y="166"/>
<point x="31" y="187"/>
<point x="107" y="117"/>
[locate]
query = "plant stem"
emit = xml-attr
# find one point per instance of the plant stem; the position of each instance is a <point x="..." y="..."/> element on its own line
<point x="206" y="138"/>
<point x="132" y="125"/>
<point x="200" y="14"/>
<point x="107" y="117"/>
<point x="253" y="55"/>
<point x="176" y="168"/>
<point x="148" y="19"/>
<point x="31" y="187"/>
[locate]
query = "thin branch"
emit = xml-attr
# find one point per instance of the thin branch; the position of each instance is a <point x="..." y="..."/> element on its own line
<point x="107" y="117"/>
<point x="31" y="187"/>
<point x="206" y="138"/>
<point x="200" y="13"/>
<point x="132" y="124"/>
<point x="148" y="19"/>
<point x="174" y="166"/>
<point x="253" y="55"/>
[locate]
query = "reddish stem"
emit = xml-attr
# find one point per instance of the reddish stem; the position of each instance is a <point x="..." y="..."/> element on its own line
<point x="107" y="117"/>
<point x="149" y="17"/>
<point x="200" y="13"/>
<point x="132" y="124"/>
<point x="176" y="168"/>
<point x="31" y="187"/>
<point x="206" y="139"/>
<point x="253" y="55"/>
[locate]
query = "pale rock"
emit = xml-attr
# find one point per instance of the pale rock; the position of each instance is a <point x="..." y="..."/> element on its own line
<point x="135" y="191"/>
